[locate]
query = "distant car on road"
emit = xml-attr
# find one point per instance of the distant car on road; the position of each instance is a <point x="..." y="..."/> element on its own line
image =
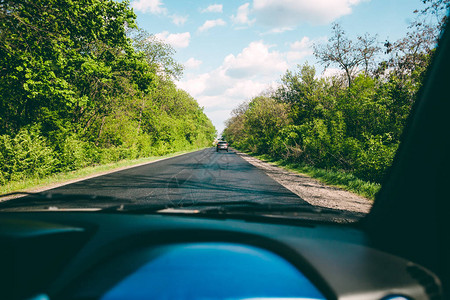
<point x="222" y="145"/>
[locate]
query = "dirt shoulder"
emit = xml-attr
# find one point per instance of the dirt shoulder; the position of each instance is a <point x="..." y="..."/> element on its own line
<point x="311" y="190"/>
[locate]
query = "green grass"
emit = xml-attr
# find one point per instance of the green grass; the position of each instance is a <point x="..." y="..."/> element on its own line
<point x="30" y="184"/>
<point x="340" y="179"/>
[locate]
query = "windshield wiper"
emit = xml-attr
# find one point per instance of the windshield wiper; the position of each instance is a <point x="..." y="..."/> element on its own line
<point x="216" y="209"/>
<point x="26" y="201"/>
<point x="225" y="209"/>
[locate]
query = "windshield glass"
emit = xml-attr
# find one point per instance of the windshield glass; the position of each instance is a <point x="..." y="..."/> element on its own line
<point x="270" y="108"/>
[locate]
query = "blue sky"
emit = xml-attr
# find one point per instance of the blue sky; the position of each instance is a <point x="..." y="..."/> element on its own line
<point x="233" y="50"/>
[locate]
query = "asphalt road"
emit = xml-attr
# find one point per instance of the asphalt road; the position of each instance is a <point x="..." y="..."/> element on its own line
<point x="200" y="176"/>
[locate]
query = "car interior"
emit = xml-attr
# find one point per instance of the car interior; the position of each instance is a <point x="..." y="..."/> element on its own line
<point x="400" y="250"/>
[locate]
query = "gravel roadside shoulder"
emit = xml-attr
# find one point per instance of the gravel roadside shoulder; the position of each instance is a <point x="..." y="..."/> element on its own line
<point x="311" y="190"/>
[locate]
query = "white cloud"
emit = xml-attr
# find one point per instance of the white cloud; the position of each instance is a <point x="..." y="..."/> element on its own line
<point x="216" y="90"/>
<point x="178" y="20"/>
<point x="195" y="85"/>
<point x="153" y="6"/>
<point x="177" y="40"/>
<point x="280" y="29"/>
<point x="288" y="13"/>
<point x="331" y="72"/>
<point x="245" y="89"/>
<point x="305" y="42"/>
<point x="240" y="77"/>
<point x="219" y="116"/>
<point x="192" y="63"/>
<point x="218" y="107"/>
<point x="215" y="8"/>
<point x="242" y="15"/>
<point x="210" y="24"/>
<point x="300" y="49"/>
<point x="244" y="75"/>
<point x="255" y="59"/>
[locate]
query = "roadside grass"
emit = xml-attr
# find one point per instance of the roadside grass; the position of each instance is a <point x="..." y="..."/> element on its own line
<point x="340" y="179"/>
<point x="37" y="184"/>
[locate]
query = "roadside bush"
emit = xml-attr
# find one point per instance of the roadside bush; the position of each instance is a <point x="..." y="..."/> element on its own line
<point x="74" y="154"/>
<point x="26" y="155"/>
<point x="5" y="154"/>
<point x="316" y="142"/>
<point x="376" y="157"/>
<point x="144" y="145"/>
<point x="287" y="143"/>
<point x="115" y="154"/>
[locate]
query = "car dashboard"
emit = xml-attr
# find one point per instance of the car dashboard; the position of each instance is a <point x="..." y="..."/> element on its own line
<point x="98" y="255"/>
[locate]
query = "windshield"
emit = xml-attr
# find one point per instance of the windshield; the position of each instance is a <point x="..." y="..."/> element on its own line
<point x="271" y="108"/>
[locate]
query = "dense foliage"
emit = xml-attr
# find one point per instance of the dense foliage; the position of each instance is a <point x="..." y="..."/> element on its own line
<point x="351" y="122"/>
<point x="81" y="85"/>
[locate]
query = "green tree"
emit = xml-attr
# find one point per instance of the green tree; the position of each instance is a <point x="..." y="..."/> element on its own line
<point x="306" y="96"/>
<point x="78" y="84"/>
<point x="158" y="54"/>
<point x="43" y="45"/>
<point x="347" y="54"/>
<point x="263" y="120"/>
